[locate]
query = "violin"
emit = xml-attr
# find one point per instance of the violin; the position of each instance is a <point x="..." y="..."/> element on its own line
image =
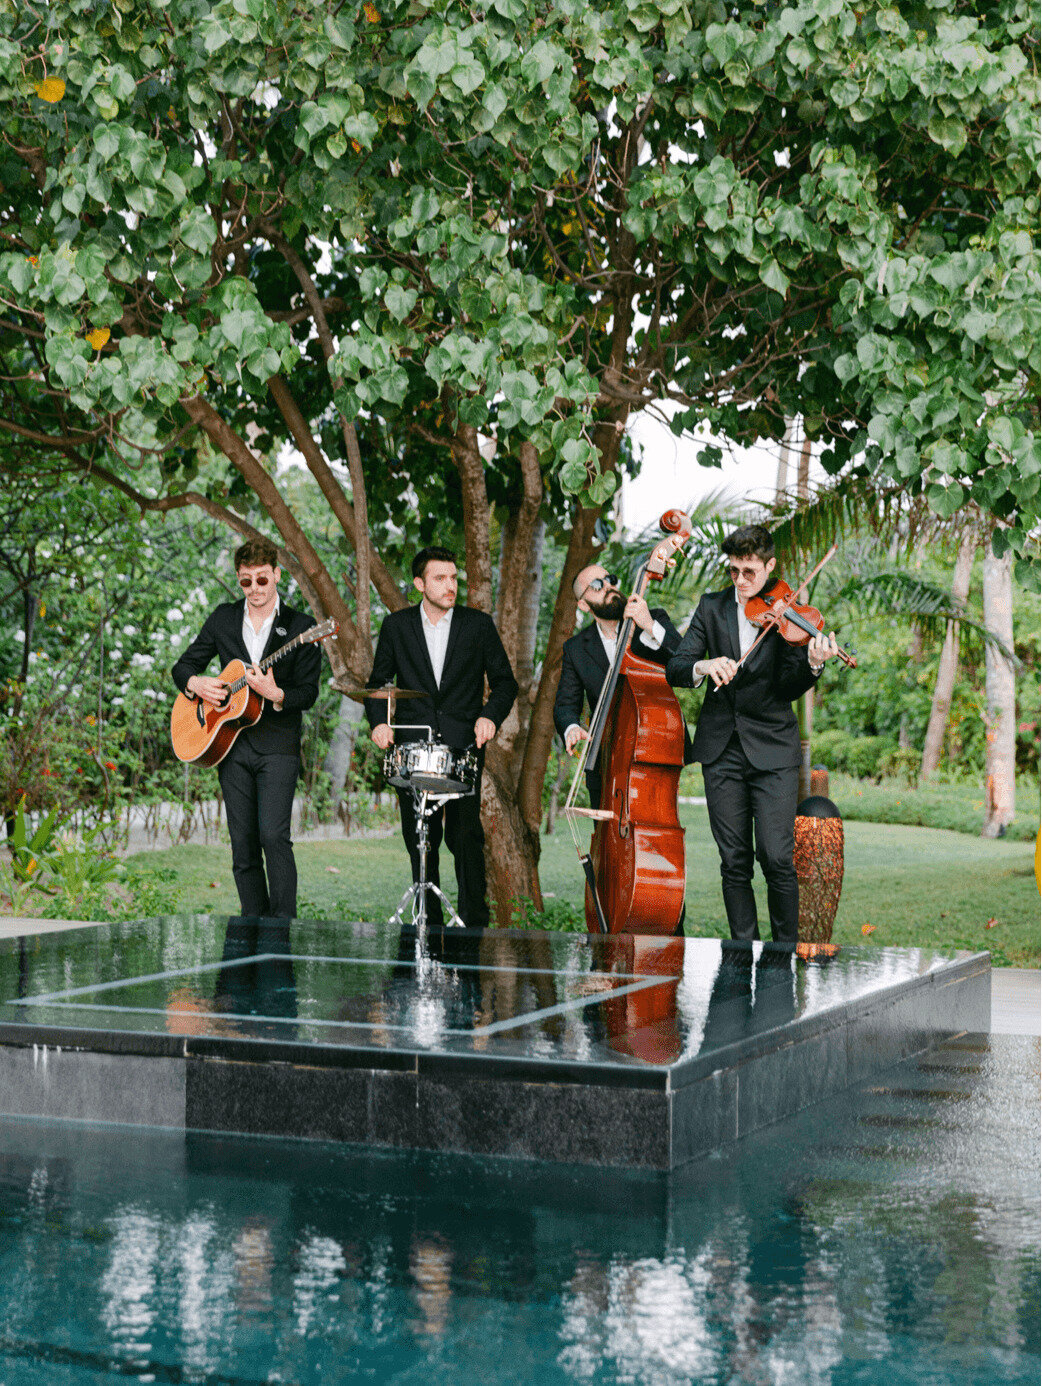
<point x="776" y="608"/>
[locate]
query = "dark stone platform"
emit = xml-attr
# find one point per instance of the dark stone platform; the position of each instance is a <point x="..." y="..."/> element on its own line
<point x="617" y="1051"/>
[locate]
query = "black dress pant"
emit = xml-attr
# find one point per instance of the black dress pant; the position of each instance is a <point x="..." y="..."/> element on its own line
<point x="459" y="821"/>
<point x="258" y="792"/>
<point x="741" y="799"/>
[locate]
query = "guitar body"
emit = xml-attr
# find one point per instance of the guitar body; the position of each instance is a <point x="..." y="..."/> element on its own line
<point x="203" y="735"/>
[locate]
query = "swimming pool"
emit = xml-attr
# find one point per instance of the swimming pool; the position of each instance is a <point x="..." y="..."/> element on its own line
<point x="891" y="1236"/>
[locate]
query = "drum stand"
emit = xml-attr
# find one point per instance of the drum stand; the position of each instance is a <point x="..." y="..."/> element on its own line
<point x="415" y="897"/>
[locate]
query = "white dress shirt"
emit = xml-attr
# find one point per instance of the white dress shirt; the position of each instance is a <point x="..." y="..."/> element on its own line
<point x="255" y="640"/>
<point x="436" y="634"/>
<point x="652" y="641"/>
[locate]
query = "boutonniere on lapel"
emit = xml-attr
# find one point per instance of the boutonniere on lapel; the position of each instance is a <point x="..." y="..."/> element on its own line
<point x="279" y="630"/>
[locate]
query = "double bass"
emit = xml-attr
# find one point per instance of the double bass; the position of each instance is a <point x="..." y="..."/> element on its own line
<point x="635" y="875"/>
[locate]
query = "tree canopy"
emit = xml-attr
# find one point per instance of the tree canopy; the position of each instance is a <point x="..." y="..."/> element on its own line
<point x="445" y="252"/>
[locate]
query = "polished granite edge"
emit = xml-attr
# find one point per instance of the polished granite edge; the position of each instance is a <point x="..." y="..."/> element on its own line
<point x="622" y="1072"/>
<point x="956" y="972"/>
<point x="757" y="1089"/>
<point x="487" y="1106"/>
<point x="478" y="1116"/>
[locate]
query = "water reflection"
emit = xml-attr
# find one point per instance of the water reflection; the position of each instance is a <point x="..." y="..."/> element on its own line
<point x="888" y="1239"/>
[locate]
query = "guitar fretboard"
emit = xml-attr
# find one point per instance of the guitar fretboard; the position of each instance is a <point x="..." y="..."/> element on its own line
<point x="267" y="663"/>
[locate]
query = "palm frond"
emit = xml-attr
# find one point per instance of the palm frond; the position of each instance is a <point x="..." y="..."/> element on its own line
<point x="926" y="604"/>
<point x="853" y="505"/>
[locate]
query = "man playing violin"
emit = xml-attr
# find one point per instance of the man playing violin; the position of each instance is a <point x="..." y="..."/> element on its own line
<point x="446" y="652"/>
<point x="747" y="737"/>
<point x="259" y="774"/>
<point x="588" y="655"/>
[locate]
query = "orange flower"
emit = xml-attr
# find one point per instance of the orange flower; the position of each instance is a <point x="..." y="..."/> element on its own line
<point x="868" y="928"/>
<point x="98" y="337"/>
<point x="51" y="89"/>
<point x="371" y="12"/>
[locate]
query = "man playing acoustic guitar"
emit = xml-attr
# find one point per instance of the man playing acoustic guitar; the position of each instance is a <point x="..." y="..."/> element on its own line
<point x="258" y="774"/>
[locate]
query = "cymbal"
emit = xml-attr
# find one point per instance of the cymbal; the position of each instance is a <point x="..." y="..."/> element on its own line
<point x="388" y="691"/>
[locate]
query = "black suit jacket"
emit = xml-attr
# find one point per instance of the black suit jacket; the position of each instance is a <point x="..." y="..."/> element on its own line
<point x="758" y="703"/>
<point x="277" y="733"/>
<point x="474" y="652"/>
<point x="584" y="667"/>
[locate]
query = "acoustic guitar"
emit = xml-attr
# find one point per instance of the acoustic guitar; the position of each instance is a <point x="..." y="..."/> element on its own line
<point x="202" y="734"/>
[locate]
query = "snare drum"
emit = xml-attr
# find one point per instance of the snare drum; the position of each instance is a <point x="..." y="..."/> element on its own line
<point x="426" y="765"/>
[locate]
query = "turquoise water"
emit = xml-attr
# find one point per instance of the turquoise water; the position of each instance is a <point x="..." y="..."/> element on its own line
<point x="888" y="1238"/>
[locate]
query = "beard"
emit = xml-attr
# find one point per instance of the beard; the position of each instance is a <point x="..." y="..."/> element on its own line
<point x="610" y="608"/>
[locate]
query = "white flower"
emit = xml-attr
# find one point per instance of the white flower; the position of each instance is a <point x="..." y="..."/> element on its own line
<point x="175" y="614"/>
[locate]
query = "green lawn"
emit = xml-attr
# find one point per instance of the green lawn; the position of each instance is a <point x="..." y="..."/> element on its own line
<point x="914" y="886"/>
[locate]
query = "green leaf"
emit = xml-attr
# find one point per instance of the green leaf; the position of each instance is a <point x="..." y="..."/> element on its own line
<point x="197" y="231"/>
<point x="948" y="132"/>
<point x="400" y="302"/>
<point x="945" y="500"/>
<point x="774" y="276"/>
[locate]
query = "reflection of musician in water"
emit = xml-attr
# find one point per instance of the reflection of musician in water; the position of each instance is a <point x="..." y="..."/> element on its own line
<point x="264" y="985"/>
<point x="754" y="991"/>
<point x="447" y="652"/>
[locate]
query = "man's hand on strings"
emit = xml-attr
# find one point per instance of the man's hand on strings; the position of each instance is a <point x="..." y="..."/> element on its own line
<point x="264" y="684"/>
<point x="638" y="611"/>
<point x="822" y="647"/>
<point x="210" y="690"/>
<point x="573" y="736"/>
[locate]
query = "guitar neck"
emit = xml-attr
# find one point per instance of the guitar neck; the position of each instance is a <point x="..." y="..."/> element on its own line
<point x="267" y="663"/>
<point x="277" y="654"/>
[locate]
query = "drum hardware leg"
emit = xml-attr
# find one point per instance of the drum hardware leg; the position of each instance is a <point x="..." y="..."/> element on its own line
<point x="415" y="897"/>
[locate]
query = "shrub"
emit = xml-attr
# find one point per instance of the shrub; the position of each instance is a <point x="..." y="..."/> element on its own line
<point x="901" y="764"/>
<point x="828" y="748"/>
<point x="559" y="916"/>
<point x="860" y="756"/>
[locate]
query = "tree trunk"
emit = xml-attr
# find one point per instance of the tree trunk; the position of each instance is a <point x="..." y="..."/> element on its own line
<point x="948" y="664"/>
<point x="999" y="697"/>
<point x="784" y="454"/>
<point x="805" y="719"/>
<point x="337" y="763"/>
<point x="511" y="847"/>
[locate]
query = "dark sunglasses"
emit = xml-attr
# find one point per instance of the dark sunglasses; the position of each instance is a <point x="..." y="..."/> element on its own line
<point x="248" y="582"/>
<point x="598" y="584"/>
<point x="747" y="573"/>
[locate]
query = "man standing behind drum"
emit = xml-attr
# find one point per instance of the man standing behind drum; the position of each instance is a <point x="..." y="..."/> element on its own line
<point x="446" y="652"/>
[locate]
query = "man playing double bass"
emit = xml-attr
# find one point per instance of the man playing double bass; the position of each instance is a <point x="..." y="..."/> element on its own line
<point x="587" y="655"/>
<point x="747" y="737"/>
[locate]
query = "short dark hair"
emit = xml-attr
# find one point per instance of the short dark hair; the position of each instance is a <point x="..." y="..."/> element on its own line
<point x="433" y="553"/>
<point x="255" y="553"/>
<point x="749" y="541"/>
